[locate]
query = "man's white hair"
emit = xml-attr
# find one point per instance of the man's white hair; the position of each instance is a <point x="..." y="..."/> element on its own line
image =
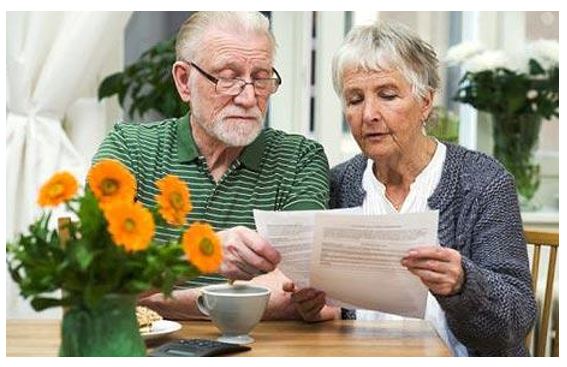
<point x="388" y="46"/>
<point x="190" y="35"/>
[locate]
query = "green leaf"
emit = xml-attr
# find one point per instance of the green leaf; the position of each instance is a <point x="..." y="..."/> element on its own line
<point x="111" y="85"/>
<point x="82" y="255"/>
<point x="90" y="216"/>
<point x="535" y="68"/>
<point x="41" y="303"/>
<point x="122" y="95"/>
<point x="137" y="286"/>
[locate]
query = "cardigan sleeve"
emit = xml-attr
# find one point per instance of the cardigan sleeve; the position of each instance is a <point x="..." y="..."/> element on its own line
<point x="496" y="308"/>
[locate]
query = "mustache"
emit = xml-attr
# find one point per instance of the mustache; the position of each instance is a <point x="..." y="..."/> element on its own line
<point x="253" y="114"/>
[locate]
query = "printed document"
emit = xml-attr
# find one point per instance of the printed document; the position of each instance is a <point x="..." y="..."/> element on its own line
<point x="355" y="258"/>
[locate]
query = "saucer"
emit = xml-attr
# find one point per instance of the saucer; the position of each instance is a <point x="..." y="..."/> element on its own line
<point x="161" y="328"/>
<point x="236" y="339"/>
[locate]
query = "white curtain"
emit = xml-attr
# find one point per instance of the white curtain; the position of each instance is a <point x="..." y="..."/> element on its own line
<point x="52" y="62"/>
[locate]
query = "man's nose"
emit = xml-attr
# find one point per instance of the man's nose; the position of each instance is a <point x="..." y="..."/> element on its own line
<point x="247" y="97"/>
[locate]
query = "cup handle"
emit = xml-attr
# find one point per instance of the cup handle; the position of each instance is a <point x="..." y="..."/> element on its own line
<point x="201" y="305"/>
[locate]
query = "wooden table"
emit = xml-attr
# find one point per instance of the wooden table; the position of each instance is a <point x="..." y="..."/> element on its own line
<point x="274" y="338"/>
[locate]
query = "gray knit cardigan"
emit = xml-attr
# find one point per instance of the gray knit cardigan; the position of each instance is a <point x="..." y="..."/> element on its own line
<point x="479" y="217"/>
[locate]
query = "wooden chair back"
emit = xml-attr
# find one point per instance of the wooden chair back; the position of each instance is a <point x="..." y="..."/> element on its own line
<point x="540" y="239"/>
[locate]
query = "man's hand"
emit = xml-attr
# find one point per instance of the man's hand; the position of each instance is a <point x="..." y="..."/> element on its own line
<point x="246" y="254"/>
<point x="310" y="303"/>
<point x="439" y="268"/>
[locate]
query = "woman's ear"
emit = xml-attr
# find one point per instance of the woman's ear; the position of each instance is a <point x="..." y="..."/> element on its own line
<point x="181" y="72"/>
<point x="427" y="104"/>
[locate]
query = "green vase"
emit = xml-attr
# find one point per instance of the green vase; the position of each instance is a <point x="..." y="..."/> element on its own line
<point x="109" y="329"/>
<point x="515" y="141"/>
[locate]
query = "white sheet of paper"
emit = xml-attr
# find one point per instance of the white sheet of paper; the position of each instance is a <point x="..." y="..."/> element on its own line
<point x="291" y="233"/>
<point x="356" y="259"/>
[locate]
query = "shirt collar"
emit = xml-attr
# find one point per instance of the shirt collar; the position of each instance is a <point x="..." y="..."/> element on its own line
<point x="252" y="154"/>
<point x="187" y="149"/>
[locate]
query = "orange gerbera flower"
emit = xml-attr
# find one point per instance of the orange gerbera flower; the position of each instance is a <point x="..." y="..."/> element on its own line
<point x="203" y="247"/>
<point x="173" y="200"/>
<point x="110" y="180"/>
<point x="61" y="187"/>
<point x="130" y="225"/>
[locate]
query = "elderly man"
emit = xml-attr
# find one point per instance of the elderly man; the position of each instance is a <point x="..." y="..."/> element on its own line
<point x="224" y="71"/>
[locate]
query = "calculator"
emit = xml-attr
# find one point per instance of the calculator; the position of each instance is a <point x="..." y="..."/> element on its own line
<point x="197" y="348"/>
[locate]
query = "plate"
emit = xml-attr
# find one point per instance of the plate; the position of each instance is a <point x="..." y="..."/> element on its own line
<point x="161" y="328"/>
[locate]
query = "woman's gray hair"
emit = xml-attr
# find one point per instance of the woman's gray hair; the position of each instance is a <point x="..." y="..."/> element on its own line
<point x="388" y="46"/>
<point x="191" y="33"/>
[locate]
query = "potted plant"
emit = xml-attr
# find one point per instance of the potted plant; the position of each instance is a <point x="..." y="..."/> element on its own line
<point x="518" y="92"/>
<point x="106" y="256"/>
<point x="148" y="83"/>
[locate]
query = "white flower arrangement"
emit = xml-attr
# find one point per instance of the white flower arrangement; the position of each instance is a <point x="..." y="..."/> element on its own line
<point x="524" y="82"/>
<point x="518" y="90"/>
<point x="460" y="53"/>
<point x="474" y="57"/>
<point x="545" y="52"/>
<point x="487" y="60"/>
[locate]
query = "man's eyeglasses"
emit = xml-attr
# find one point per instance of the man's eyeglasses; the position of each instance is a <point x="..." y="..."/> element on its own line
<point x="235" y="86"/>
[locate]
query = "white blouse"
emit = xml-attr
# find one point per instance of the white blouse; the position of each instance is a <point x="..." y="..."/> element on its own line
<point x="376" y="203"/>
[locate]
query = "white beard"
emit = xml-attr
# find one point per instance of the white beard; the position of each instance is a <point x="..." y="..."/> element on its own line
<point x="236" y="134"/>
<point x="231" y="132"/>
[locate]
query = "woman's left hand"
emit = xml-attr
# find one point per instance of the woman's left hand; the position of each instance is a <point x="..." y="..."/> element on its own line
<point x="439" y="268"/>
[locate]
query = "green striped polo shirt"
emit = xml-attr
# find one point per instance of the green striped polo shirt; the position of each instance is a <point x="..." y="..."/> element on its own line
<point x="278" y="171"/>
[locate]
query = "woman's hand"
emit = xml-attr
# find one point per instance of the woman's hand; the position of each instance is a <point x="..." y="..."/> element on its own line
<point x="439" y="268"/>
<point x="310" y="303"/>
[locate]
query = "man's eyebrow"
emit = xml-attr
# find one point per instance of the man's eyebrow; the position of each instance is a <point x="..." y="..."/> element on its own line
<point x="221" y="65"/>
<point x="266" y="70"/>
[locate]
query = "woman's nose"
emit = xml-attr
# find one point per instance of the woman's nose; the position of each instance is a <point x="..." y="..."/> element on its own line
<point x="371" y="110"/>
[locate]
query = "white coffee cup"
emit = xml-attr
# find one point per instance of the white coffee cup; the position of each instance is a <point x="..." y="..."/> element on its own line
<point x="234" y="309"/>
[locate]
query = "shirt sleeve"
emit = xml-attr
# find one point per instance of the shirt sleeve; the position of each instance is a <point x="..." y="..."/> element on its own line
<point x="117" y="146"/>
<point x="310" y="186"/>
<point x="496" y="308"/>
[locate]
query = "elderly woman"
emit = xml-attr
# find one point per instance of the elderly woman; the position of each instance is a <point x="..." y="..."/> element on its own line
<point x="480" y="299"/>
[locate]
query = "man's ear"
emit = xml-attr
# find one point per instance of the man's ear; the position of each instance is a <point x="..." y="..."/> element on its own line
<point x="181" y="72"/>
